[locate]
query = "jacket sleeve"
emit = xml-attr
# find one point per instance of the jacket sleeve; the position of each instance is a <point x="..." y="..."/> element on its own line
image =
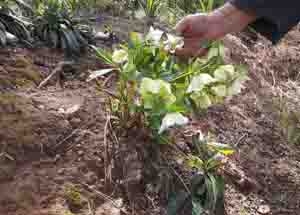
<point x="275" y="17"/>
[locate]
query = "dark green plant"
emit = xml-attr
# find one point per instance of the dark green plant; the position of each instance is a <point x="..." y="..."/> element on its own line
<point x="55" y="25"/>
<point x="150" y="7"/>
<point x="207" y="185"/>
<point x="11" y="23"/>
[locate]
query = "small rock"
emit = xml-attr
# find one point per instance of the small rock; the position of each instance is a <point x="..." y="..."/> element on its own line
<point x="264" y="209"/>
<point x="80" y="153"/>
<point x="72" y="109"/>
<point x="78" y="145"/>
<point x="75" y="121"/>
<point x="59" y="179"/>
<point x="41" y="107"/>
<point x="57" y="157"/>
<point x="60" y="171"/>
<point x="11" y="39"/>
<point x="64" y="123"/>
<point x="61" y="110"/>
<point x="101" y="36"/>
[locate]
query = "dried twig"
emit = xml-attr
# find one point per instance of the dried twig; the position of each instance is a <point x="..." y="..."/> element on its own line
<point x="181" y="179"/>
<point x="107" y="79"/>
<point x="110" y="93"/>
<point x="106" y="171"/>
<point x="240" y="139"/>
<point x="57" y="69"/>
<point x="66" y="138"/>
<point x="178" y="175"/>
<point x="105" y="197"/>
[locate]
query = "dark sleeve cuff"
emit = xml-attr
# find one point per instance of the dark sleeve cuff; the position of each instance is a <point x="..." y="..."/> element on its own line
<point x="275" y="17"/>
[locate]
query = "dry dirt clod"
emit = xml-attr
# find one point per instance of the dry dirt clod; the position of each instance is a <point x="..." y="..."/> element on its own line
<point x="60" y="171"/>
<point x="264" y="209"/>
<point x="75" y="121"/>
<point x="91" y="178"/>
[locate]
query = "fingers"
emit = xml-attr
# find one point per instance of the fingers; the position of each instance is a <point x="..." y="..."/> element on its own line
<point x="191" y="48"/>
<point x="183" y="26"/>
<point x="188" y="52"/>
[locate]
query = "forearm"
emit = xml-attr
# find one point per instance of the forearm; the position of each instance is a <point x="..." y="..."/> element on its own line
<point x="229" y="19"/>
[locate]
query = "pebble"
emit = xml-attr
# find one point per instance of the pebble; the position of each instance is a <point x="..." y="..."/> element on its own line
<point x="75" y="121"/>
<point x="60" y="171"/>
<point x="57" y="157"/>
<point x="101" y="36"/>
<point x="73" y="109"/>
<point x="80" y="153"/>
<point x="264" y="209"/>
<point x="41" y="107"/>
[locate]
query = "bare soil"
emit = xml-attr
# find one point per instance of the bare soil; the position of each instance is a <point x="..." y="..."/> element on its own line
<point x="58" y="156"/>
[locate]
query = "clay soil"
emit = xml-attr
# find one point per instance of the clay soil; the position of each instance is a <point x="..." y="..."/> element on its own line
<point x="58" y="155"/>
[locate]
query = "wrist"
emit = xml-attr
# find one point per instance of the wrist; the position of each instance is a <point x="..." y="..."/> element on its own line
<point x="229" y="19"/>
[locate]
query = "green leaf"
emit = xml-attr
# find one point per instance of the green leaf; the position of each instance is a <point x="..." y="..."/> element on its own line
<point x="236" y="86"/>
<point x="224" y="72"/>
<point x="129" y="71"/>
<point x="172" y="119"/>
<point x="136" y="38"/>
<point x="201" y="99"/>
<point x="98" y="73"/>
<point x="199" y="82"/>
<point x="195" y="162"/>
<point x="219" y="90"/>
<point x="102" y="54"/>
<point x="212" y="191"/>
<point x="197" y="208"/>
<point x="120" y="56"/>
<point x="213" y="52"/>
<point x="224" y="149"/>
<point x="156" y="92"/>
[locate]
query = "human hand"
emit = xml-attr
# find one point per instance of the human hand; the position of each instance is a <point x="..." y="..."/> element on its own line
<point x="198" y="29"/>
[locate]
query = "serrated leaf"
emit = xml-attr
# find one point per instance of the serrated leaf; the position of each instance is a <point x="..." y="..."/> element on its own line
<point x="120" y="56"/>
<point x="199" y="82"/>
<point x="98" y="73"/>
<point x="171" y="120"/>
